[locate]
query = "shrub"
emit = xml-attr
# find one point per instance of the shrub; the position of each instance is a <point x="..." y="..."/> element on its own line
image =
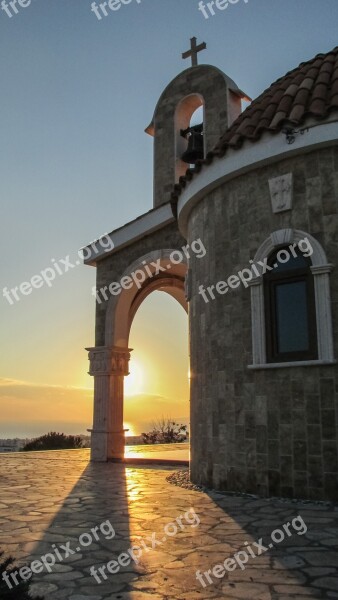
<point x="18" y="592"/>
<point x="165" y="431"/>
<point x="54" y="441"/>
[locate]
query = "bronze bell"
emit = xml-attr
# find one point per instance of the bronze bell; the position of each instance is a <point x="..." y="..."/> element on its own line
<point x="195" y="150"/>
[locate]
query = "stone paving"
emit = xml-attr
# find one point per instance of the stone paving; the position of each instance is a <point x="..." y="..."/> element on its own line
<point x="178" y="452"/>
<point x="54" y="497"/>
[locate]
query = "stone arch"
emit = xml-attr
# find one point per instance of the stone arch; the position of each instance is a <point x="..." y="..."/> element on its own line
<point x="193" y="84"/>
<point x="183" y="113"/>
<point x="122" y="309"/>
<point x="282" y="237"/>
<point x="109" y="363"/>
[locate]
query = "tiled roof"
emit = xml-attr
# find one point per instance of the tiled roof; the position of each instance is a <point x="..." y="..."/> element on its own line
<point x="310" y="90"/>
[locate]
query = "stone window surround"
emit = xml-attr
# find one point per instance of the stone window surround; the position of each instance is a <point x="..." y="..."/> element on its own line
<point x="321" y="270"/>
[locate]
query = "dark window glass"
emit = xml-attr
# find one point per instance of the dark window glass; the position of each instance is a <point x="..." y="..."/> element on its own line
<point x="294" y="262"/>
<point x="292" y="317"/>
<point x="290" y="310"/>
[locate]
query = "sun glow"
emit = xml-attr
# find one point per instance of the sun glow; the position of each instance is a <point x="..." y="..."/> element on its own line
<point x="133" y="383"/>
<point x="131" y="430"/>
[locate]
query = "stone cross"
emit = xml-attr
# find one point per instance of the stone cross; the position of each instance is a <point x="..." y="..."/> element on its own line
<point x="194" y="50"/>
<point x="281" y="190"/>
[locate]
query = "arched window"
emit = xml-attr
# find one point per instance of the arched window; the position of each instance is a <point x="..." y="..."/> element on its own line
<point x="290" y="304"/>
<point x="290" y="309"/>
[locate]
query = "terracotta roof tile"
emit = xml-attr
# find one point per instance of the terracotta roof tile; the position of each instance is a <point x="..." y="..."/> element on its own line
<point x="324" y="78"/>
<point x="320" y="91"/>
<point x="299" y="78"/>
<point x="297" y="113"/>
<point x="292" y="90"/>
<point x="317" y="107"/>
<point x="285" y="104"/>
<point x="302" y="96"/>
<point x="313" y="73"/>
<point x="307" y="83"/>
<point x="310" y="90"/>
<point x="278" y="120"/>
<point x="334" y="90"/>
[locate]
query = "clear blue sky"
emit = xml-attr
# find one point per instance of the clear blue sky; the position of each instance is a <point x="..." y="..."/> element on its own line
<point x="76" y="96"/>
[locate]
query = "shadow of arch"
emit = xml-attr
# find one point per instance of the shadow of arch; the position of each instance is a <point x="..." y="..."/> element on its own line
<point x="54" y="497"/>
<point x="68" y="499"/>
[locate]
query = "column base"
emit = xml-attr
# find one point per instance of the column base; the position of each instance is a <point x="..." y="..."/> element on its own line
<point x="115" y="446"/>
<point x="98" y="446"/>
<point x="107" y="445"/>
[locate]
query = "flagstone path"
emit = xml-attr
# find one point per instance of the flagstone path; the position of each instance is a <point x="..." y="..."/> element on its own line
<point x="49" y="502"/>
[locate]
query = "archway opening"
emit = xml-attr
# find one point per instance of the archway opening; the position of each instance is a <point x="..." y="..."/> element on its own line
<point x="197" y="117"/>
<point x="190" y="110"/>
<point x="157" y="388"/>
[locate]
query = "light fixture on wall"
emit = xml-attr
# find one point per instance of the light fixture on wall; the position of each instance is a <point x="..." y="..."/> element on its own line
<point x="291" y="133"/>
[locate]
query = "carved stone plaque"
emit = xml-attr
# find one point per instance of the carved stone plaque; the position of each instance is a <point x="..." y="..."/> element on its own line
<point x="281" y="191"/>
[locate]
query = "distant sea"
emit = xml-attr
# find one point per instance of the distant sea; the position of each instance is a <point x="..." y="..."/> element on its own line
<point x="13" y="431"/>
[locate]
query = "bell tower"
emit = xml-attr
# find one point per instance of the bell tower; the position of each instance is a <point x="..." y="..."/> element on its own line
<point x="176" y="143"/>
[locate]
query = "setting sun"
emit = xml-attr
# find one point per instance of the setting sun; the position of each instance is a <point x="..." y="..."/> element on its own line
<point x="129" y="429"/>
<point x="133" y="383"/>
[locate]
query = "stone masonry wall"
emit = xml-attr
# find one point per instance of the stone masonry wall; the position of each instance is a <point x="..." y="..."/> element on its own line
<point x="203" y="80"/>
<point x="112" y="268"/>
<point x="272" y="432"/>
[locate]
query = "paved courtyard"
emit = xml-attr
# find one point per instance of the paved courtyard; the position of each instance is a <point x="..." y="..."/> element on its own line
<point x="50" y="501"/>
<point x="174" y="452"/>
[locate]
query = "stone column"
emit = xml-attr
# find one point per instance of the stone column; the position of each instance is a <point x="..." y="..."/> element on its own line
<point x="108" y="365"/>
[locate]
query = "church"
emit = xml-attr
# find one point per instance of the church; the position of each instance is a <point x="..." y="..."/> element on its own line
<point x="257" y="190"/>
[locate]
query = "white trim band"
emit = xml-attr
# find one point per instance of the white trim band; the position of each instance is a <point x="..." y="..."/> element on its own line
<point x="300" y="363"/>
<point x="131" y="232"/>
<point x="270" y="149"/>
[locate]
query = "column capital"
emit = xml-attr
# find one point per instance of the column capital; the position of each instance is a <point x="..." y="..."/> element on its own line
<point x="109" y="360"/>
<point x="322" y="269"/>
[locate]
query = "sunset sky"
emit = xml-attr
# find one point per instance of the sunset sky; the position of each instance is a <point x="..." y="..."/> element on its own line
<point x="77" y="94"/>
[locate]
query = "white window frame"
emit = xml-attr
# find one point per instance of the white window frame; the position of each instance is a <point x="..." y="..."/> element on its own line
<point x="321" y="274"/>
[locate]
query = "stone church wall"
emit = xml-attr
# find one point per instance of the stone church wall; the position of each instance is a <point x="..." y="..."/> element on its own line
<point x="271" y="431"/>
